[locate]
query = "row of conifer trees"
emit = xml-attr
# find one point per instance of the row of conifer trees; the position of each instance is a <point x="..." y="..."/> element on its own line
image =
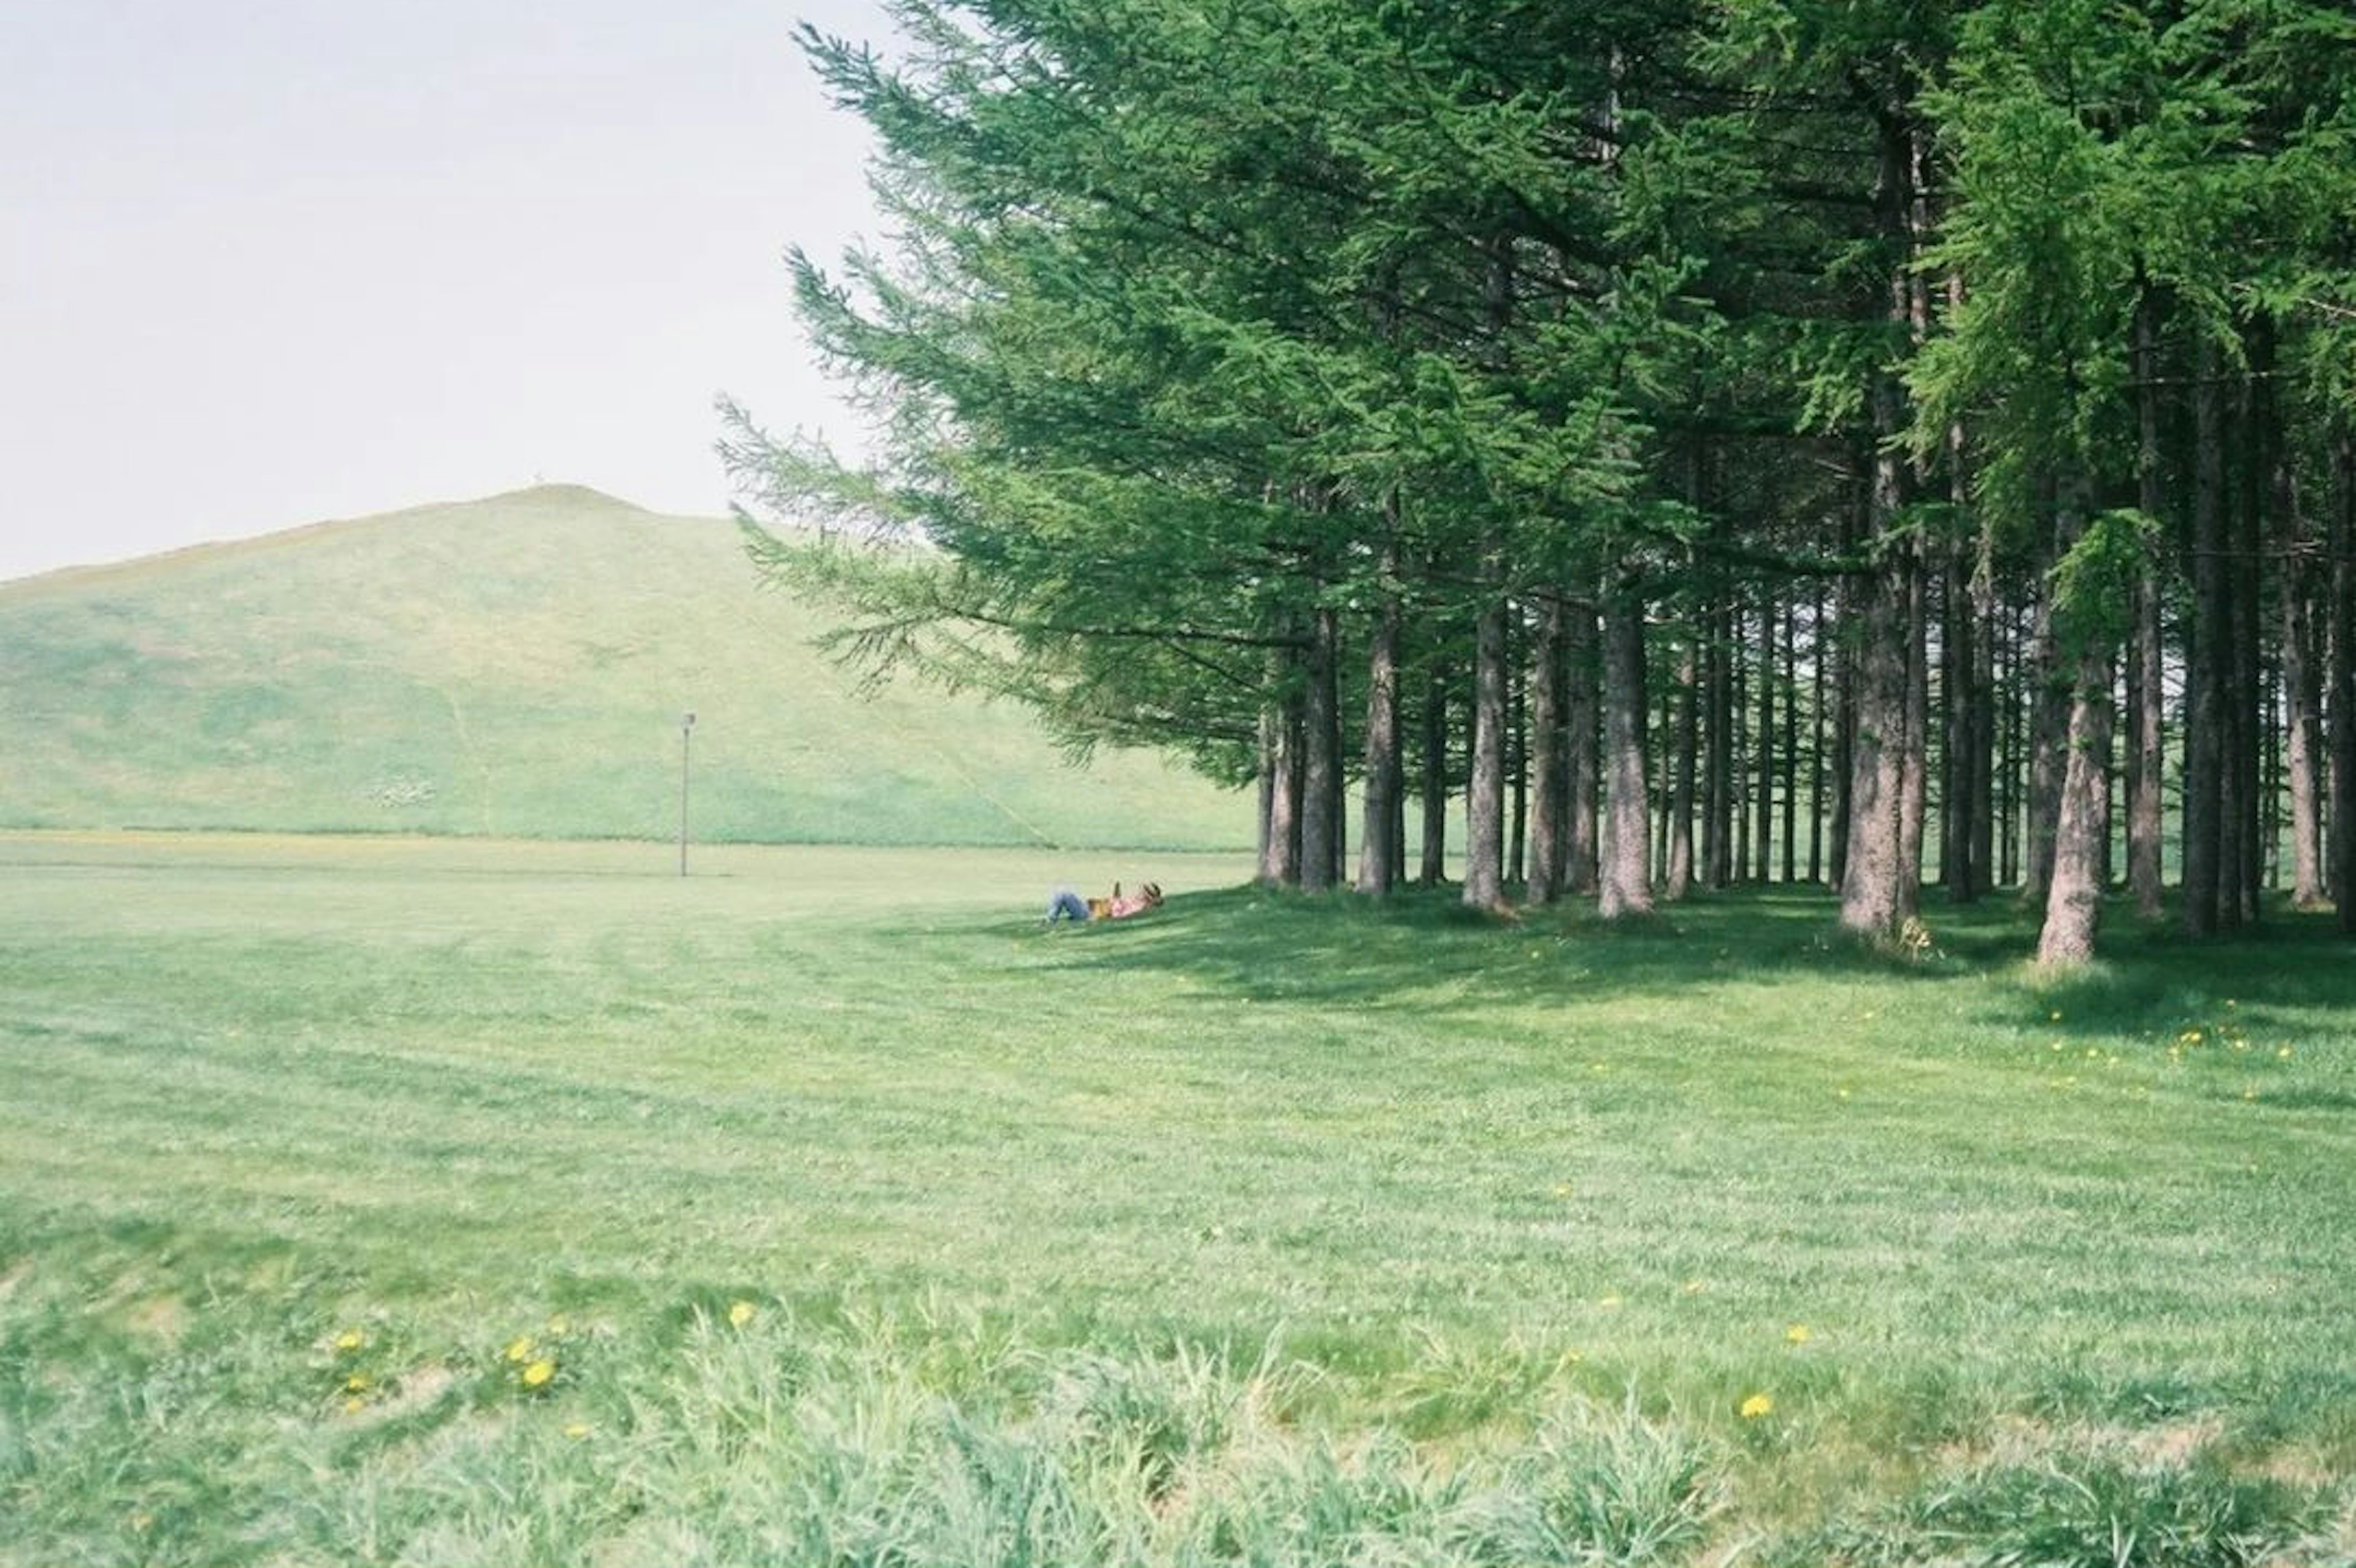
<point x="1915" y="435"/>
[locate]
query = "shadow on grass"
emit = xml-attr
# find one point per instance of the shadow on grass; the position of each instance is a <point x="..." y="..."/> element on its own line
<point x="1420" y="947"/>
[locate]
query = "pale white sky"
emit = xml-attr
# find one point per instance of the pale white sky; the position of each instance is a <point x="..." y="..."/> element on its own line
<point x="268" y="261"/>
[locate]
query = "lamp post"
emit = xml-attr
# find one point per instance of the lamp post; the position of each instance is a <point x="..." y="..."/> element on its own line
<point x="686" y="728"/>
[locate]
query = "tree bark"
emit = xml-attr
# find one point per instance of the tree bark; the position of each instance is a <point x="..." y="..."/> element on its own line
<point x="1320" y="783"/>
<point x="2342" y="678"/>
<point x="1581" y="703"/>
<point x="1763" y="806"/>
<point x="1717" y="751"/>
<point x="1957" y="667"/>
<point x="1382" y="859"/>
<point x="1876" y="898"/>
<point x="1433" y="870"/>
<point x="1549" y="767"/>
<point x="1625" y="884"/>
<point x="2073" y="901"/>
<point x="2205" y="666"/>
<point x="2302" y="694"/>
<point x="2146" y="755"/>
<point x="1484" y="794"/>
<point x="1679" y="862"/>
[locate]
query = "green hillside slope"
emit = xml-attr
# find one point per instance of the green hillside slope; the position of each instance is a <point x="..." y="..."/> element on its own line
<point x="517" y="666"/>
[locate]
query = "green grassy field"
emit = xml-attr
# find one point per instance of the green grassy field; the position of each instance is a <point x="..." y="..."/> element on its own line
<point x="429" y="1202"/>
<point x="517" y="665"/>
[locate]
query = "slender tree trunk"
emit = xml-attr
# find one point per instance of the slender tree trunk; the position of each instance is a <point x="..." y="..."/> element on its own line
<point x="1271" y="772"/>
<point x="2073" y="902"/>
<point x="2147" y="756"/>
<point x="1484" y="795"/>
<point x="1517" y="760"/>
<point x="2244" y="853"/>
<point x="1791" y="747"/>
<point x="1580" y="707"/>
<point x="1548" y="766"/>
<point x="2302" y="694"/>
<point x="1381" y="856"/>
<point x="1984" y="720"/>
<point x="2049" y="740"/>
<point x="1915" y="761"/>
<point x="1763" y="832"/>
<point x="2008" y="740"/>
<point x="1626" y="887"/>
<point x="1321" y="784"/>
<point x="1737" y="731"/>
<point x="1433" y="870"/>
<point x="1679" y="860"/>
<point x="1281" y="741"/>
<point x="2342" y="678"/>
<point x="1819" y="654"/>
<point x="2206" y="666"/>
<point x="1718" y="759"/>
<point x="1956" y="669"/>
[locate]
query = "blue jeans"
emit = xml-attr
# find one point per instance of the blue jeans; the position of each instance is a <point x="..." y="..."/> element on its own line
<point x="1068" y="905"/>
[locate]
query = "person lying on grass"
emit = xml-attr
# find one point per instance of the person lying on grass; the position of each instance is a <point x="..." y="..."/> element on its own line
<point x="1065" y="904"/>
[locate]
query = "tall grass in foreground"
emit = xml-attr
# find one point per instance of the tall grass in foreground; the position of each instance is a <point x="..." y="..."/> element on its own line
<point x="434" y="1203"/>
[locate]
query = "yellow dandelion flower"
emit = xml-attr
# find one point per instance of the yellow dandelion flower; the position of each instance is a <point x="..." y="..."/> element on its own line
<point x="560" y="1326"/>
<point x="350" y="1339"/>
<point x="2281" y="1053"/>
<point x="1695" y="1287"/>
<point x="354" y="1406"/>
<point x="577" y="1429"/>
<point x="537" y="1375"/>
<point x="1797" y="1334"/>
<point x="1562" y="1190"/>
<point x="520" y="1350"/>
<point x="356" y="1383"/>
<point x="740" y="1313"/>
<point x="1757" y="1405"/>
<point x="1609" y="1303"/>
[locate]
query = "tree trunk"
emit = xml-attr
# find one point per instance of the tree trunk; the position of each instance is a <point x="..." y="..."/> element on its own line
<point x="1763" y="832"/>
<point x="2074" y="901"/>
<point x="1870" y="903"/>
<point x="1875" y="900"/>
<point x="2342" y="678"/>
<point x="1485" y="795"/>
<point x="1791" y="747"/>
<point x="2205" y="664"/>
<point x="1818" y="654"/>
<point x="1433" y="870"/>
<point x="1281" y="766"/>
<point x="1957" y="666"/>
<point x="1320" y="783"/>
<point x="1579" y="723"/>
<point x="1679" y="861"/>
<point x="1382" y="860"/>
<point x="1548" y="766"/>
<point x="2244" y="857"/>
<point x="2147" y="757"/>
<point x="1718" y="753"/>
<point x="2302" y="694"/>
<point x="1915" y="761"/>
<point x="1625" y="885"/>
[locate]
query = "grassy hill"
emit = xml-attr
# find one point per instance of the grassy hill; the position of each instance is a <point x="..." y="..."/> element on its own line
<point x="517" y="666"/>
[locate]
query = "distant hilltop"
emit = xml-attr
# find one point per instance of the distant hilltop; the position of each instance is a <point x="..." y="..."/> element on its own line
<point x="517" y="665"/>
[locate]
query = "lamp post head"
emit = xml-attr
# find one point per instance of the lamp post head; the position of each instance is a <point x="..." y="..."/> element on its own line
<point x="687" y="721"/>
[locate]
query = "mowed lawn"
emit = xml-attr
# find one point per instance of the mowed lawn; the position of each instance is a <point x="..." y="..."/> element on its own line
<point x="281" y="1113"/>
